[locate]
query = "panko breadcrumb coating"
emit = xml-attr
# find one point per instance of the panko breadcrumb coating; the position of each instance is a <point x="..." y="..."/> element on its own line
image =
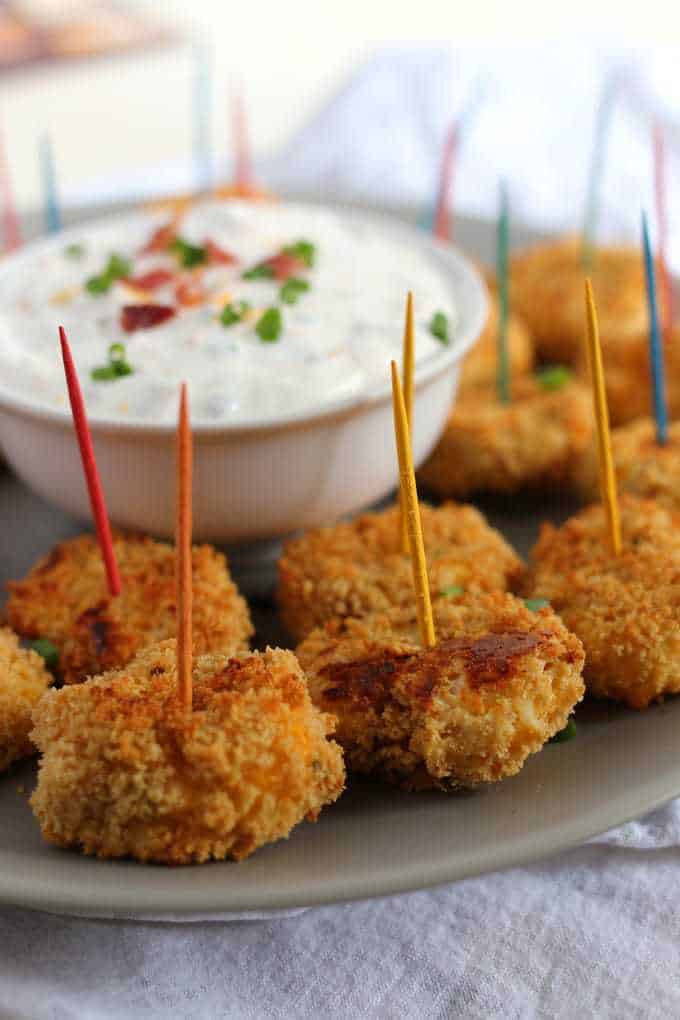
<point x="533" y="441"/>
<point x="500" y="682"/>
<point x="479" y="364"/>
<point x="23" y="681"/>
<point x="642" y="467"/>
<point x="628" y="376"/>
<point x="65" y="599"/>
<point x="547" y="291"/>
<point x="357" y="567"/>
<point x="626" y="608"/>
<point x="127" y="770"/>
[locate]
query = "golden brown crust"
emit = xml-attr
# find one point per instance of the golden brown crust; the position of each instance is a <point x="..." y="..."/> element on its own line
<point x="547" y="291"/>
<point x="625" y="609"/>
<point x="531" y="442"/>
<point x="499" y="683"/>
<point x="642" y="467"/>
<point x="127" y="771"/>
<point x="479" y="364"/>
<point x="357" y="567"/>
<point x="23" y="681"/>
<point x="64" y="598"/>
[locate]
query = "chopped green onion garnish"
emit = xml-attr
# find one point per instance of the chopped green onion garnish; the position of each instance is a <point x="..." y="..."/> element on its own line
<point x="49" y="652"/>
<point x="554" y="378"/>
<point x="117" y="367"/>
<point x="292" y="289"/>
<point x="303" y="250"/>
<point x="189" y="254"/>
<point x="269" y="325"/>
<point x="452" y="591"/>
<point x="74" y="251"/>
<point x="535" y="604"/>
<point x="116" y="268"/>
<point x="262" y="271"/>
<point x="568" y="733"/>
<point x="233" y="312"/>
<point x="439" y="327"/>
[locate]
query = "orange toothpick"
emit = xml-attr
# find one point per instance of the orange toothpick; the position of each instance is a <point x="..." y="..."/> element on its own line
<point x="409" y="495"/>
<point x="442" y="217"/>
<point x="94" y="485"/>
<point x="607" y="477"/>
<point x="243" y="163"/>
<point x="183" y="551"/>
<point x="407" y="373"/>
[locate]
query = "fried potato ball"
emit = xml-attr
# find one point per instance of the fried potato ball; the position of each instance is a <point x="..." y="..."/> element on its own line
<point x="479" y="364"/>
<point x="127" y="770"/>
<point x="628" y="376"/>
<point x="500" y="681"/>
<point x="532" y="441"/>
<point x="547" y="291"/>
<point x="626" y="608"/>
<point x="358" y="567"/>
<point x="23" y="681"/>
<point x="65" y="599"/>
<point x="642" y="467"/>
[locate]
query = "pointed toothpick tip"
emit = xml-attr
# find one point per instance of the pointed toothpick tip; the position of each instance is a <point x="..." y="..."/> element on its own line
<point x="90" y="469"/>
<point x="409" y="497"/>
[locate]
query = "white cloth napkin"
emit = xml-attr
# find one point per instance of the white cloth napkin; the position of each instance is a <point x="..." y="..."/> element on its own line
<point x="595" y="932"/>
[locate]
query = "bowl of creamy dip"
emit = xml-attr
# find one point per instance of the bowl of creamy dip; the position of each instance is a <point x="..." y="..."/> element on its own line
<point x="282" y="317"/>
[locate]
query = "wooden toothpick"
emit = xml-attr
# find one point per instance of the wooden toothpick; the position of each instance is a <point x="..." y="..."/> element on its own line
<point x="409" y="495"/>
<point x="407" y="371"/>
<point x="607" y="477"/>
<point x="94" y="485"/>
<point x="183" y="551"/>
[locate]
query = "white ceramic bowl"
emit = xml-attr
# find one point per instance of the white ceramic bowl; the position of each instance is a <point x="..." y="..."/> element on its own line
<point x="251" y="481"/>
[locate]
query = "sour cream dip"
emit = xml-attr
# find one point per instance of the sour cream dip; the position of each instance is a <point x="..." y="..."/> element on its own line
<point x="266" y="309"/>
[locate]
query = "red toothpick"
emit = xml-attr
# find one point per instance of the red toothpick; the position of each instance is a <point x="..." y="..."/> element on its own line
<point x="183" y="551"/>
<point x="668" y="298"/>
<point x="243" y="164"/>
<point x="11" y="226"/>
<point x="442" y="220"/>
<point x="94" y="486"/>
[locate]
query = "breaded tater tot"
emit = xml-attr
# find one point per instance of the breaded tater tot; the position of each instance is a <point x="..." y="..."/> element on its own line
<point x="127" y="770"/>
<point x="628" y="376"/>
<point x="532" y="441"/>
<point x="358" y="567"/>
<point x="500" y="682"/>
<point x="65" y="599"/>
<point x="626" y="608"/>
<point x="23" y="681"/>
<point x="547" y="291"/>
<point x="479" y="364"/>
<point x="642" y="466"/>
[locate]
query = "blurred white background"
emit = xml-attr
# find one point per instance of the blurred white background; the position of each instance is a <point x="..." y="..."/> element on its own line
<point x="379" y="83"/>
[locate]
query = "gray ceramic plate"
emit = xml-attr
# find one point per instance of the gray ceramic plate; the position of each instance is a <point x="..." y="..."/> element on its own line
<point x="375" y="841"/>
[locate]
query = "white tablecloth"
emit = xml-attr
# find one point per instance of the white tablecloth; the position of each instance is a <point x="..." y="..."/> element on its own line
<point x="595" y="932"/>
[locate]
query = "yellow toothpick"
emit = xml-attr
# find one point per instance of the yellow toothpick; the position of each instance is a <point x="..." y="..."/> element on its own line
<point x="409" y="495"/>
<point x="607" y="477"/>
<point x="407" y="370"/>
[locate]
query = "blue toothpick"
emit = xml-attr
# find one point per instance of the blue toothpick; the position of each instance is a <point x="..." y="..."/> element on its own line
<point x="656" y="353"/>
<point x="49" y="176"/>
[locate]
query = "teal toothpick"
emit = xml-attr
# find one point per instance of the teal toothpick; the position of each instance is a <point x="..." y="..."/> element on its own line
<point x="502" y="242"/>
<point x="49" y="177"/>
<point x="594" y="188"/>
<point x="656" y="352"/>
<point x="202" y="117"/>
